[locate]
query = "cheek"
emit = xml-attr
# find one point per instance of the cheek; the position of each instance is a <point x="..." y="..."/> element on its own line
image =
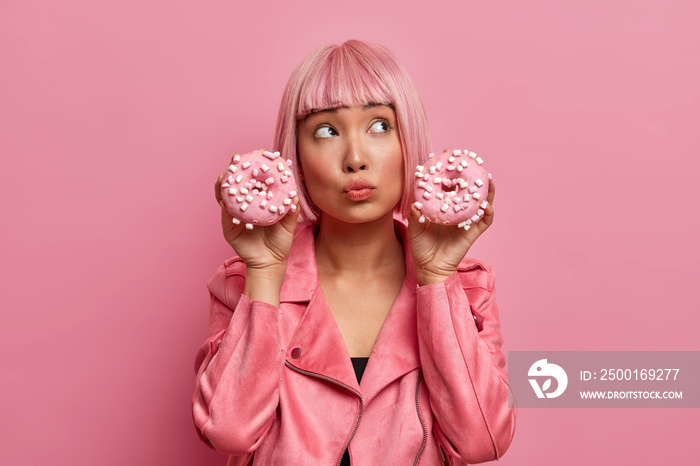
<point x="396" y="169"/>
<point x="399" y="180"/>
<point x="393" y="178"/>
<point x="315" y="177"/>
<point x="315" y="173"/>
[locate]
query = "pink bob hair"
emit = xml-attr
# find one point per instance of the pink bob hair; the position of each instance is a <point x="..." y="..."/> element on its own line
<point x="350" y="74"/>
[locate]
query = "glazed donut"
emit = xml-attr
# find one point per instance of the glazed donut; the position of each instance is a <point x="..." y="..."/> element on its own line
<point x="259" y="188"/>
<point x="452" y="188"/>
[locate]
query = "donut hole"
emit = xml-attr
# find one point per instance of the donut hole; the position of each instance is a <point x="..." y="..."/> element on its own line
<point x="450" y="185"/>
<point x="257" y="187"/>
<point x="454" y="187"/>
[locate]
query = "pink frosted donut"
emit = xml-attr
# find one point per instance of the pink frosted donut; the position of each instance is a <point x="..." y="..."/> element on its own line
<point x="259" y="188"/>
<point x="452" y="188"/>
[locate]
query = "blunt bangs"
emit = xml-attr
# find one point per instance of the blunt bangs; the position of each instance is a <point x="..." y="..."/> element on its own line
<point x="344" y="79"/>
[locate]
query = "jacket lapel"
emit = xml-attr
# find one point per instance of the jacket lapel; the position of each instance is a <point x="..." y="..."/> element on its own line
<point x="395" y="352"/>
<point x="316" y="346"/>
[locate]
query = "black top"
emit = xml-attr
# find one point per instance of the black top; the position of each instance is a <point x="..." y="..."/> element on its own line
<point x="359" y="364"/>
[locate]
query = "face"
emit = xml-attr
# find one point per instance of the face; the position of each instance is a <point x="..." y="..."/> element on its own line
<point x="352" y="161"/>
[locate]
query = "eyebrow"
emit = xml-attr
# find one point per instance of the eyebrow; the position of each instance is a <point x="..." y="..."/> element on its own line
<point x="366" y="106"/>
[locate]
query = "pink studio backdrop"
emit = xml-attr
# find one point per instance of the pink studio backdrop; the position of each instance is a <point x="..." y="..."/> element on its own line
<point x="116" y="117"/>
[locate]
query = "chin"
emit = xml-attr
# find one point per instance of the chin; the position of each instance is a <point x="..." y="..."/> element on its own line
<point x="363" y="217"/>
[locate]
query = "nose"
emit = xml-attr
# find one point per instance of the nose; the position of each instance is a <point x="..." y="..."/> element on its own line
<point x="356" y="158"/>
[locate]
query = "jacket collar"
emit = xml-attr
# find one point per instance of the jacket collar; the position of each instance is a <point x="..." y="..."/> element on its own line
<point x="301" y="279"/>
<point x="323" y="350"/>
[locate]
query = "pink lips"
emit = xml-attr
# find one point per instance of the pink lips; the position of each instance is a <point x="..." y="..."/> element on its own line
<point x="359" y="190"/>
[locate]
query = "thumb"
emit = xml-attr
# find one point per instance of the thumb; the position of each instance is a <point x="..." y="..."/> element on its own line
<point x="289" y="221"/>
<point x="416" y="222"/>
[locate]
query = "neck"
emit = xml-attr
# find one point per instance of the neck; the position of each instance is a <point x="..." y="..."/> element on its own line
<point x="358" y="247"/>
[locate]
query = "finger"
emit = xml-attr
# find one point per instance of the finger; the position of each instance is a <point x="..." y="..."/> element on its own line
<point x="289" y="221"/>
<point x="230" y="229"/>
<point x="217" y="187"/>
<point x="487" y="219"/>
<point x="224" y="211"/>
<point x="415" y="226"/>
<point x="484" y="222"/>
<point x="227" y="222"/>
<point x="492" y="192"/>
<point x="447" y="149"/>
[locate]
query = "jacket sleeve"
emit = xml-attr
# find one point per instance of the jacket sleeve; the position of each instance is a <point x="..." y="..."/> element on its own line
<point x="464" y="369"/>
<point x="238" y="367"/>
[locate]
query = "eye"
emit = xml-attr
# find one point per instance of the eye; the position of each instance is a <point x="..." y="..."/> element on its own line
<point x="381" y="126"/>
<point x="325" y="132"/>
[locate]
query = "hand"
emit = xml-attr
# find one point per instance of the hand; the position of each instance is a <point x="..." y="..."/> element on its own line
<point x="263" y="247"/>
<point x="438" y="249"/>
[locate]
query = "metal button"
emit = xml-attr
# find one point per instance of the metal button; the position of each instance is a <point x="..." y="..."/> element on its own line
<point x="296" y="353"/>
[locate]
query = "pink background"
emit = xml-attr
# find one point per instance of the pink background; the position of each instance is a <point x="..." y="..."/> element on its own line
<point x="116" y="117"/>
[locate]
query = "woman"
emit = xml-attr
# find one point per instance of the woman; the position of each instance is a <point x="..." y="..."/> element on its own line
<point x="294" y="317"/>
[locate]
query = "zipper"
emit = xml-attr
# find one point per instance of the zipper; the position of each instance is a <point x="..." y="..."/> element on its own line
<point x="442" y="454"/>
<point x="335" y="382"/>
<point x="420" y="418"/>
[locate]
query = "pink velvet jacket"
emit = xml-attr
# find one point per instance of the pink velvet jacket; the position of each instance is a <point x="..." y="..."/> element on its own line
<point x="275" y="386"/>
